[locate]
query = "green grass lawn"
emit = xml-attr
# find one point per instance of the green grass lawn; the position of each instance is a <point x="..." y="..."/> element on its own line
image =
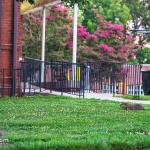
<point x="45" y="123"/>
<point x="136" y="98"/>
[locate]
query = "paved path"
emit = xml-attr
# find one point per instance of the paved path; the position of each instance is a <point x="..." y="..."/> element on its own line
<point x="96" y="96"/>
<point x="116" y="99"/>
<point x="105" y="97"/>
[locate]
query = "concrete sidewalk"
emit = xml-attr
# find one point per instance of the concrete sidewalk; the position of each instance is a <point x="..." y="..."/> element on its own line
<point x="115" y="99"/>
<point x="98" y="96"/>
<point x="105" y="97"/>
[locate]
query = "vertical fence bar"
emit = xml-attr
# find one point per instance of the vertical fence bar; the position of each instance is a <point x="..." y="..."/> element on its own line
<point x="140" y="78"/>
<point x="41" y="76"/>
<point x="61" y="78"/>
<point x="3" y="82"/>
<point x="83" y="81"/>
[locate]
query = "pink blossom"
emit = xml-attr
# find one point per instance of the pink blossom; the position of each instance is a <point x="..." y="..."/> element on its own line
<point x="102" y="33"/>
<point x="92" y="37"/>
<point x="50" y="17"/>
<point x="105" y="48"/>
<point x="38" y="20"/>
<point x="122" y="50"/>
<point x="116" y="27"/>
<point x="70" y="44"/>
<point x="82" y="33"/>
<point x="120" y="34"/>
<point x="130" y="38"/>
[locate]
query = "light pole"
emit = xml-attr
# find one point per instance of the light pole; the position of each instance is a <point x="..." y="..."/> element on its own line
<point x="75" y="32"/>
<point x="43" y="44"/>
<point x="75" y="39"/>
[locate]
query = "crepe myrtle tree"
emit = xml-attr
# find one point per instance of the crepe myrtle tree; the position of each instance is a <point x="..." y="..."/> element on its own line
<point x="110" y="42"/>
<point x="75" y="4"/>
<point x="58" y="25"/>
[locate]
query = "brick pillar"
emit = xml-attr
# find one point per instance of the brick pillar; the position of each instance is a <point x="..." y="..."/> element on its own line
<point x="6" y="54"/>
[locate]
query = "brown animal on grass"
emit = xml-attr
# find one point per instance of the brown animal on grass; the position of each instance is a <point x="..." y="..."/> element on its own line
<point x="131" y="106"/>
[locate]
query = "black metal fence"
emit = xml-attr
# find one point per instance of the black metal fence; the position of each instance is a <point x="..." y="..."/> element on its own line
<point x="102" y="77"/>
<point x="78" y="79"/>
<point x="58" y="77"/>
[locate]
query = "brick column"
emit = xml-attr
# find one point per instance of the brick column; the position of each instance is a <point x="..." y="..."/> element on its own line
<point x="6" y="54"/>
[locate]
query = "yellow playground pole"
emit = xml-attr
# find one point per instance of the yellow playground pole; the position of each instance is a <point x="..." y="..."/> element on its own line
<point x="78" y="73"/>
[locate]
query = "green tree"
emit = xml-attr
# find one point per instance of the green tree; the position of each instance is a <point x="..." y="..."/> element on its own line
<point x="113" y="10"/>
<point x="58" y="25"/>
<point x="140" y="12"/>
<point x="30" y="1"/>
<point x="143" y="56"/>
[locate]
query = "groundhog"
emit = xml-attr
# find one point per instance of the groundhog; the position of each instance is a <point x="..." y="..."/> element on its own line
<point x="131" y="106"/>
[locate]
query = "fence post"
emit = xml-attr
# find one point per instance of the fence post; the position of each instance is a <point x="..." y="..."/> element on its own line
<point x="3" y="84"/>
<point x="114" y="88"/>
<point x="84" y="70"/>
<point x="61" y="78"/>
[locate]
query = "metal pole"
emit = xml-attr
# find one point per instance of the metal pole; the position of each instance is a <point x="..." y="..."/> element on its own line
<point x="43" y="44"/>
<point x="75" y="23"/>
<point x="75" y="33"/>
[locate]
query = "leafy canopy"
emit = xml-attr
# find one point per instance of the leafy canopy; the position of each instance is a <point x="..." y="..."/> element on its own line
<point x="114" y="10"/>
<point x="67" y="1"/>
<point x="108" y="42"/>
<point x="140" y="10"/>
<point x="143" y="55"/>
<point x="30" y="1"/>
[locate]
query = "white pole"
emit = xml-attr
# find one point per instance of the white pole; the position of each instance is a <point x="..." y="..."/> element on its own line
<point x="43" y="44"/>
<point x="75" y="23"/>
<point x="75" y="34"/>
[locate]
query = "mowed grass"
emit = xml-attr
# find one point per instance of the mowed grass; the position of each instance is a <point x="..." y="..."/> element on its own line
<point x="47" y="123"/>
<point x="146" y="97"/>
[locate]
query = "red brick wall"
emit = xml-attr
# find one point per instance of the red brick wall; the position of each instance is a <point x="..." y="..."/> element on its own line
<point x="6" y="54"/>
<point x="6" y="33"/>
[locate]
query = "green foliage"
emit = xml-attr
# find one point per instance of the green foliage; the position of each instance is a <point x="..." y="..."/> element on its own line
<point x="30" y="1"/>
<point x="109" y="42"/>
<point x="42" y="123"/>
<point x="57" y="33"/>
<point x="80" y="2"/>
<point x="113" y="10"/>
<point x="116" y="46"/>
<point x="143" y="56"/>
<point x="31" y="36"/>
<point x="140" y="10"/>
